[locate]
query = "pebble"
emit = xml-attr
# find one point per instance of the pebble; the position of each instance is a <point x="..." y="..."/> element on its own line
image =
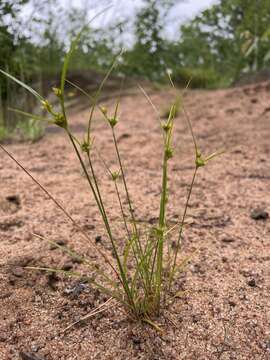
<point x="59" y="242"/>
<point x="3" y="337"/>
<point x="227" y="239"/>
<point x="136" y="340"/>
<point x="98" y="239"/>
<point x="259" y="214"/>
<point x="251" y="282"/>
<point x="29" y="356"/>
<point x="14" y="199"/>
<point x="22" y="261"/>
<point x="75" y="290"/>
<point x="67" y="266"/>
<point x="52" y="280"/>
<point x="17" y="271"/>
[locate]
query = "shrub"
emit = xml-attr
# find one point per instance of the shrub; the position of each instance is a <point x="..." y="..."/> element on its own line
<point x="198" y="78"/>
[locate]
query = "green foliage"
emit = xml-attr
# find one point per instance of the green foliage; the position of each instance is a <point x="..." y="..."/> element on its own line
<point x="196" y="77"/>
<point x="215" y="48"/>
<point x="3" y="133"/>
<point x="148" y="56"/>
<point x="231" y="37"/>
<point x="30" y="129"/>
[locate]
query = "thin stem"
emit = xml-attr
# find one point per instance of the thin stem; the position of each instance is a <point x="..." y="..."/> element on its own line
<point x="122" y="277"/>
<point x="117" y="192"/>
<point x="182" y="227"/>
<point x="96" y="96"/>
<point x="122" y="209"/>
<point x="160" y="242"/>
<point x="158" y="255"/>
<point x="191" y="130"/>
<point x="137" y="235"/>
<point x="125" y="184"/>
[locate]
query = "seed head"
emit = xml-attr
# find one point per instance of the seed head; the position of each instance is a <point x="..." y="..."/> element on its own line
<point x="85" y="147"/>
<point x="199" y="161"/>
<point x="60" y="120"/>
<point x="113" y="121"/>
<point x="166" y="126"/>
<point x="104" y="110"/>
<point x="169" y="153"/>
<point x="57" y="91"/>
<point x="46" y="105"/>
<point x="115" y="175"/>
<point x="159" y="231"/>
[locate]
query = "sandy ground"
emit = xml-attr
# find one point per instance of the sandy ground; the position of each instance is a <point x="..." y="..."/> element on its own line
<point x="226" y="311"/>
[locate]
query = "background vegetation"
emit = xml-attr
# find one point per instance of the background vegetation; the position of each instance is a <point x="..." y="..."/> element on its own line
<point x="215" y="48"/>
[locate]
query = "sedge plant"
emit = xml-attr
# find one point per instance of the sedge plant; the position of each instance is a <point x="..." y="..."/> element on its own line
<point x="140" y="276"/>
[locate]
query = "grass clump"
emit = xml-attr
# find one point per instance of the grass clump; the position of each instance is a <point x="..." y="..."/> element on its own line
<point x="199" y="78"/>
<point x="30" y="130"/>
<point x="141" y="274"/>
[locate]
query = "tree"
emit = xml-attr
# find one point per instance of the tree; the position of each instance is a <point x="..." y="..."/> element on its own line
<point x="232" y="36"/>
<point x="9" y="44"/>
<point x="149" y="54"/>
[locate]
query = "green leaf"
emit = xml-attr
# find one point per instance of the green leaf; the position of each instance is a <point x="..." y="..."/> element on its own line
<point x="28" y="88"/>
<point x="32" y="116"/>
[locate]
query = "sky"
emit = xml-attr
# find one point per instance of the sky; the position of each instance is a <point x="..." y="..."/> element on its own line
<point x="121" y="9"/>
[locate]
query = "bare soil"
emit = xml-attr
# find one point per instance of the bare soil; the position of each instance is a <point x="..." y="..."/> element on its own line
<point x="225" y="313"/>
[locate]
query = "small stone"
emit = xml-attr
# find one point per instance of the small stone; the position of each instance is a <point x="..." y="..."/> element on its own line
<point x="153" y="220"/>
<point x="67" y="266"/>
<point x="124" y="136"/>
<point x="5" y="295"/>
<point x="29" y="356"/>
<point x="89" y="226"/>
<point x="136" y="340"/>
<point x="52" y="280"/>
<point x="77" y="260"/>
<point x="267" y="344"/>
<point x="251" y="283"/>
<point x="59" y="242"/>
<point x="76" y="290"/>
<point x="266" y="110"/>
<point x="227" y="239"/>
<point x="174" y="244"/>
<point x="14" y="199"/>
<point x="196" y="318"/>
<point x="22" y="261"/>
<point x="98" y="239"/>
<point x="259" y="214"/>
<point x="17" y="271"/>
<point x="3" y="337"/>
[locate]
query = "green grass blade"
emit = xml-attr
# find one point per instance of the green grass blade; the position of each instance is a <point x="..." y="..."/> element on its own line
<point x="32" y="116"/>
<point x="27" y="87"/>
<point x="73" y="46"/>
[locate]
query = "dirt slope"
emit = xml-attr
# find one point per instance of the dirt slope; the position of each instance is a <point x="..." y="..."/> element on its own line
<point x="226" y="311"/>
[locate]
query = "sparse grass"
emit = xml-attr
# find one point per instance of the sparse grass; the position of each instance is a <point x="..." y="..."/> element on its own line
<point x="141" y="276"/>
<point x="30" y="129"/>
<point x="3" y="133"/>
<point x="27" y="130"/>
<point x="198" y="78"/>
